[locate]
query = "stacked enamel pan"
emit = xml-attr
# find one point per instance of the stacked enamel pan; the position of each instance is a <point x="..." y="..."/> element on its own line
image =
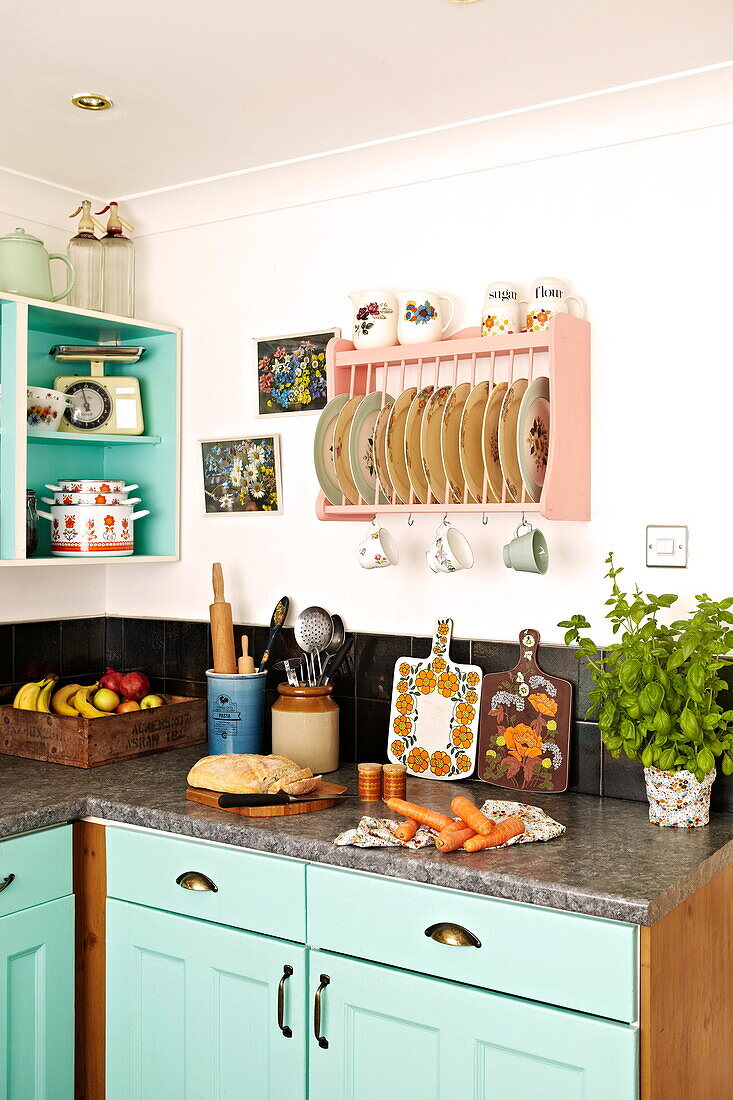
<point x="455" y="444"/>
<point x="92" y="518"/>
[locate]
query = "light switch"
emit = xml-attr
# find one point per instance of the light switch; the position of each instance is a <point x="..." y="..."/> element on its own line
<point x="666" y="546"/>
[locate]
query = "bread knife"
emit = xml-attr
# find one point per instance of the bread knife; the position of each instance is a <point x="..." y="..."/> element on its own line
<point x="229" y="801"/>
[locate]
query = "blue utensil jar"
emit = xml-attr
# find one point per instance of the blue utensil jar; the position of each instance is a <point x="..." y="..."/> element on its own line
<point x="235" y="711"/>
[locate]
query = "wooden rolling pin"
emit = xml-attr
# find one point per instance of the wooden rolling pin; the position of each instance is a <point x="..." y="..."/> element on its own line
<point x="222" y="630"/>
<point x="245" y="664"/>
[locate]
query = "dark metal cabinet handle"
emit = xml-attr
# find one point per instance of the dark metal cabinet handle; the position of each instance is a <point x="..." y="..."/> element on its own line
<point x="453" y="935"/>
<point x="322" y="1041"/>
<point x="287" y="1031"/>
<point x="6" y="882"/>
<point x="196" y="880"/>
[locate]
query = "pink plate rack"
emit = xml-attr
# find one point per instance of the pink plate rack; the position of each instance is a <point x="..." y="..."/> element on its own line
<point x="561" y="352"/>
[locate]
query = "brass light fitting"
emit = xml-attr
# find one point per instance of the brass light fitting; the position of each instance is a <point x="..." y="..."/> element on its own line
<point x="91" y="102"/>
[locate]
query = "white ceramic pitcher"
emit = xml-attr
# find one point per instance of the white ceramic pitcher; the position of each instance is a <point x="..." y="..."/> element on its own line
<point x="375" y="318"/>
<point x="546" y="298"/>
<point x="420" y="320"/>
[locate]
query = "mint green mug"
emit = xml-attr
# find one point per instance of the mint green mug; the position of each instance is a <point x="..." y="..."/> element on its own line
<point x="527" y="553"/>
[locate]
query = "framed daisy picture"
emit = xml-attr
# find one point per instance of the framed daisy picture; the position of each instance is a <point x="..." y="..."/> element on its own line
<point x="291" y="373"/>
<point x="241" y="475"/>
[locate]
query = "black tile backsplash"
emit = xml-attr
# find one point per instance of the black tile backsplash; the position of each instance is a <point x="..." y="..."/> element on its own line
<point x="176" y="654"/>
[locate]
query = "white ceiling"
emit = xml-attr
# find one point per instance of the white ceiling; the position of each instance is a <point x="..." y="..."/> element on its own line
<point x="204" y="89"/>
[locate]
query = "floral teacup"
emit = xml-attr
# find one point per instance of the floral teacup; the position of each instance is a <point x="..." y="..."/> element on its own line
<point x="450" y="550"/>
<point x="378" y="549"/>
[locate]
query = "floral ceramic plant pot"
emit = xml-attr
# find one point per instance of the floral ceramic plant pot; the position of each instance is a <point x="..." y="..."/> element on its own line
<point x="678" y="799"/>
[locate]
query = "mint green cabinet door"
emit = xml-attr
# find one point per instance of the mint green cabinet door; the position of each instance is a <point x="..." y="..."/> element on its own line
<point x="192" y="1010"/>
<point x="37" y="1002"/>
<point x="394" y="1034"/>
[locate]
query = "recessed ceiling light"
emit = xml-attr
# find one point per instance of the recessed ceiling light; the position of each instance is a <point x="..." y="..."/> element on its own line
<point x="91" y="102"/>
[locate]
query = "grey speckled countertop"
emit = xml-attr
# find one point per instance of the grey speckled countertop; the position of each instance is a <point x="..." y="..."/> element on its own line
<point x="610" y="863"/>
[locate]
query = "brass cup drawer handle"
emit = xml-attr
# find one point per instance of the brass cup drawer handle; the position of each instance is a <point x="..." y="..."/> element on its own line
<point x="321" y="1039"/>
<point x="196" y="880"/>
<point x="6" y="882"/>
<point x="287" y="1031"/>
<point x="452" y="935"/>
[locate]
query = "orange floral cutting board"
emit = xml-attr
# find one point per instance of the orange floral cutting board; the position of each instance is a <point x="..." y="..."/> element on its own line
<point x="433" y="723"/>
<point x="524" y="737"/>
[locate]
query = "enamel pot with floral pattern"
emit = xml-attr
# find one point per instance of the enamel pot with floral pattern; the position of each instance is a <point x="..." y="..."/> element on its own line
<point x="92" y="529"/>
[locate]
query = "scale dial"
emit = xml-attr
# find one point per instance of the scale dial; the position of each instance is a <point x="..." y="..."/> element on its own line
<point x="91" y="406"/>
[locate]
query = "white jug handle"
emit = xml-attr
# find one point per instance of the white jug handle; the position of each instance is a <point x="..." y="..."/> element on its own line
<point x="445" y="298"/>
<point x="572" y="298"/>
<point x="72" y="275"/>
<point x="139" y="515"/>
<point x="43" y="515"/>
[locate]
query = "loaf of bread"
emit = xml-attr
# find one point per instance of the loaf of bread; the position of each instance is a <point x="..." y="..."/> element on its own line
<point x="246" y="773"/>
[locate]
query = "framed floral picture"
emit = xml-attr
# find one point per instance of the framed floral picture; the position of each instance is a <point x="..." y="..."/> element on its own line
<point x="291" y="373"/>
<point x="241" y="475"/>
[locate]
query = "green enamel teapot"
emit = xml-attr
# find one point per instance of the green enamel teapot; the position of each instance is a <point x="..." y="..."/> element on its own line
<point x="25" y="267"/>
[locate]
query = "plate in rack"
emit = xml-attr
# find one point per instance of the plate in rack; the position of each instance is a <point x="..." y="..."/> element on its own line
<point x="430" y="442"/>
<point x="323" y="450"/>
<point x="508" y="457"/>
<point x="341" y="449"/>
<point x="413" y="453"/>
<point x="472" y="461"/>
<point x="450" y="435"/>
<point x="395" y="449"/>
<point x="533" y="436"/>
<point x="490" y="442"/>
<point x="361" y="447"/>
<point x="380" y="449"/>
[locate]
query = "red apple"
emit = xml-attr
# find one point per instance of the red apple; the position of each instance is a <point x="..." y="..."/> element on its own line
<point x="151" y="701"/>
<point x="127" y="706"/>
<point x="112" y="680"/>
<point x="135" y="686"/>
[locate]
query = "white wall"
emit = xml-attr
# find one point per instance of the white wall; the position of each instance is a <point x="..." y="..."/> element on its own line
<point x="638" y="229"/>
<point x="40" y="593"/>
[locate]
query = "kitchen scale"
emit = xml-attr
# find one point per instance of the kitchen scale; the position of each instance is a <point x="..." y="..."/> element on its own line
<point x="100" y="403"/>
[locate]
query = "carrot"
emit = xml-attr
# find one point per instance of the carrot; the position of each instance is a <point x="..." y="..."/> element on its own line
<point x="418" y="813"/>
<point x="472" y="816"/>
<point x="450" y="840"/>
<point x="457" y="824"/>
<point x="406" y="829"/>
<point x="505" y="830"/>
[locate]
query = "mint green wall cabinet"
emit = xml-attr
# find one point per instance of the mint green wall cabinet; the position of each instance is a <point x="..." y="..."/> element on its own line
<point x="192" y="1010"/>
<point x="37" y="1002"/>
<point x="394" y="1034"/>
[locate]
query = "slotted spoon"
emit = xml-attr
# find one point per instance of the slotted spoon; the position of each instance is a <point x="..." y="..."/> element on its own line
<point x="313" y="631"/>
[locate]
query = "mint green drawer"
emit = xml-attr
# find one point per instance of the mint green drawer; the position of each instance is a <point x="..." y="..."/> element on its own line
<point x="256" y="892"/>
<point x="565" y="959"/>
<point x="40" y="864"/>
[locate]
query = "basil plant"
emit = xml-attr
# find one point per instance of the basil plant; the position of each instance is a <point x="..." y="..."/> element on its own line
<point x="656" y="687"/>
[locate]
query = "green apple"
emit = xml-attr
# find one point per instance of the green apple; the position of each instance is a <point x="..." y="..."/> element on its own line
<point x="151" y="701"/>
<point x="106" y="699"/>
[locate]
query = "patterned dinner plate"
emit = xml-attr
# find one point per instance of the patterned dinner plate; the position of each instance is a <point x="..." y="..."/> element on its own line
<point x="472" y="460"/>
<point x="413" y="452"/>
<point x="380" y="449"/>
<point x="508" y="457"/>
<point x="395" y="448"/>
<point x="490" y="442"/>
<point x="361" y="447"/>
<point x="450" y="436"/>
<point x="323" y="450"/>
<point x="533" y="436"/>
<point x="341" y="434"/>
<point x="430" y="442"/>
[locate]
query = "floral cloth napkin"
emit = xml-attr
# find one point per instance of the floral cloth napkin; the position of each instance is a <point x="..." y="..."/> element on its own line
<point x="377" y="832"/>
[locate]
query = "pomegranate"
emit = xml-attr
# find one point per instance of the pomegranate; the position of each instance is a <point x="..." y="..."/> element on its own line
<point x="112" y="680"/>
<point x="135" y="686"/>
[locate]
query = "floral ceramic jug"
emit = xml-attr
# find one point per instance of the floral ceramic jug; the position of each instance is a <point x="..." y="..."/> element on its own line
<point x="420" y="320"/>
<point x="546" y="298"/>
<point x="375" y="318"/>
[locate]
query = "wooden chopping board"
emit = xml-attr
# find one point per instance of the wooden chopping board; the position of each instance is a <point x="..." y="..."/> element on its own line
<point x="324" y="796"/>
<point x="433" y="722"/>
<point x="524" y="735"/>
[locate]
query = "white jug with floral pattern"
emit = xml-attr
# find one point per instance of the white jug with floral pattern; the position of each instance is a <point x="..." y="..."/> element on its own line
<point x="375" y="318"/>
<point x="420" y="320"/>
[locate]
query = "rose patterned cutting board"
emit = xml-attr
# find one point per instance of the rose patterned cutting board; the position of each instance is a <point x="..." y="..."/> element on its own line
<point x="524" y="736"/>
<point x="433" y="723"/>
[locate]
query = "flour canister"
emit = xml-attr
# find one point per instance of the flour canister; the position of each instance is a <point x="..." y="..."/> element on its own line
<point x="235" y="707"/>
<point x="305" y="727"/>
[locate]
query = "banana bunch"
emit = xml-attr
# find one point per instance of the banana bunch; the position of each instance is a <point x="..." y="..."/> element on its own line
<point x="35" y="695"/>
<point x="73" y="699"/>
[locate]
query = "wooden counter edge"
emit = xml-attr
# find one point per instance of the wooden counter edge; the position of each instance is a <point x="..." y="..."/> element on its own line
<point x="686" y="978"/>
<point x="90" y="889"/>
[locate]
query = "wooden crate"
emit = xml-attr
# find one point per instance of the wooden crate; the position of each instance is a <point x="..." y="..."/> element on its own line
<point x="88" y="743"/>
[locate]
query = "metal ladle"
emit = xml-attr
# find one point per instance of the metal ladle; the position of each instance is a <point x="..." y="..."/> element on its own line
<point x="313" y="631"/>
<point x="337" y="638"/>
